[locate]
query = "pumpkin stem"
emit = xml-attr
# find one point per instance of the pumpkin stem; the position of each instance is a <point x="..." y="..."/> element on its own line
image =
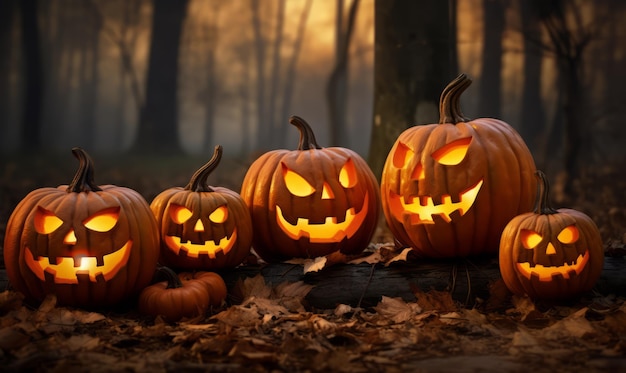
<point x="450" y="100"/>
<point x="164" y="273"/>
<point x="83" y="179"/>
<point x="542" y="203"/>
<point x="198" y="179"/>
<point x="307" y="138"/>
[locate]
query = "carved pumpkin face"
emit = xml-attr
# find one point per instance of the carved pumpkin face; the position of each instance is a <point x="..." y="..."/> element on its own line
<point x="89" y="245"/>
<point x="550" y="253"/>
<point x="312" y="201"/>
<point x="333" y="220"/>
<point x="203" y="227"/>
<point x="73" y="258"/>
<point x="449" y="189"/>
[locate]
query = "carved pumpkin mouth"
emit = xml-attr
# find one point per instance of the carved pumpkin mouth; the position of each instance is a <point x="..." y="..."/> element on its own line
<point x="546" y="273"/>
<point x="210" y="248"/>
<point x="422" y="208"/>
<point x="67" y="269"/>
<point x="329" y="230"/>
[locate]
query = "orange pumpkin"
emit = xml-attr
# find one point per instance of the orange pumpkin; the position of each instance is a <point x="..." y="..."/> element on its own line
<point x="89" y="245"/>
<point x="311" y="201"/>
<point x="203" y="227"/>
<point x="448" y="189"/>
<point x="185" y="295"/>
<point x="550" y="254"/>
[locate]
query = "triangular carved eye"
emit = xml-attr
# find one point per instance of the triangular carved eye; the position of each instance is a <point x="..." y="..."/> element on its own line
<point x="219" y="215"/>
<point x="568" y="235"/>
<point x="179" y="214"/>
<point x="529" y="238"/>
<point x="347" y="175"/>
<point x="103" y="221"/>
<point x="45" y="221"/>
<point x="453" y="153"/>
<point x="296" y="184"/>
<point x="402" y="155"/>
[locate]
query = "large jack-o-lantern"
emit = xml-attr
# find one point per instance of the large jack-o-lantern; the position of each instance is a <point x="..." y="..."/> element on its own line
<point x="448" y="189"/>
<point x="311" y="201"/>
<point x="548" y="253"/>
<point x="89" y="245"/>
<point x="202" y="226"/>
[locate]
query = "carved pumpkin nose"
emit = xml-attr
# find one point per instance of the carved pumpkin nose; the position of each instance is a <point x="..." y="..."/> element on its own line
<point x="70" y="238"/>
<point x="550" y="250"/>
<point x="199" y="227"/>
<point x="327" y="193"/>
<point x="418" y="172"/>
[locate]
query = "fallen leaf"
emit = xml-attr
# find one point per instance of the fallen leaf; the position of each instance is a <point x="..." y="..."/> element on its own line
<point x="314" y="265"/>
<point x="396" y="309"/>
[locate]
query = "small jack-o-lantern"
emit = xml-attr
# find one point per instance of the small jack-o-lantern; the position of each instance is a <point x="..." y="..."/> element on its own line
<point x="550" y="253"/>
<point x="448" y="189"/>
<point x="203" y="227"/>
<point x="311" y="201"/>
<point x="89" y="245"/>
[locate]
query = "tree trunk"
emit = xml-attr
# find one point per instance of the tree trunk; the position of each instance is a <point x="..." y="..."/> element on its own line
<point x="7" y="13"/>
<point x="412" y="64"/>
<point x="533" y="114"/>
<point x="158" y="130"/>
<point x="490" y="82"/>
<point x="337" y="86"/>
<point x="33" y="76"/>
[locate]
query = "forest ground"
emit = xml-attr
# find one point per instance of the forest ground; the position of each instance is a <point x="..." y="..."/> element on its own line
<point x="273" y="326"/>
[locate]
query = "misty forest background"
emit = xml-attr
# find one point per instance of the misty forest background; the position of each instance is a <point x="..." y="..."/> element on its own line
<point x="144" y="85"/>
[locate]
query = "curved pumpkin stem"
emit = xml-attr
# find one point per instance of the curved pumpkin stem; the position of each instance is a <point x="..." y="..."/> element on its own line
<point x="450" y="100"/>
<point x="167" y="274"/>
<point x="307" y="138"/>
<point x="542" y="203"/>
<point x="198" y="179"/>
<point x="83" y="179"/>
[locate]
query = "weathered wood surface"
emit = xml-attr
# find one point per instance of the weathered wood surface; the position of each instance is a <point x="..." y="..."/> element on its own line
<point x="365" y="284"/>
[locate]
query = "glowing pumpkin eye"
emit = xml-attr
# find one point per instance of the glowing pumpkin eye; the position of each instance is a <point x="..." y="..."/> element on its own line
<point x="402" y="155"/>
<point x="46" y="222"/>
<point x="347" y="175"/>
<point x="452" y="153"/>
<point x="103" y="221"/>
<point x="179" y="214"/>
<point x="530" y="239"/>
<point x="219" y="215"/>
<point x="296" y="184"/>
<point x="568" y="235"/>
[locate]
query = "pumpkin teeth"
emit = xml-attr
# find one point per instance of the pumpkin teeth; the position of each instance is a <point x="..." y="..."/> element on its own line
<point x="546" y="273"/>
<point x="422" y="209"/>
<point x="210" y="247"/>
<point x="331" y="230"/>
<point x="66" y="269"/>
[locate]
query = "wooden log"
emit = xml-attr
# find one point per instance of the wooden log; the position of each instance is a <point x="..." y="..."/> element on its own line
<point x="365" y="284"/>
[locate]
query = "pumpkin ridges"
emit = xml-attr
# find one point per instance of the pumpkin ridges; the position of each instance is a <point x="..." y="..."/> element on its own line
<point x="71" y="204"/>
<point x="549" y="226"/>
<point x="202" y="199"/>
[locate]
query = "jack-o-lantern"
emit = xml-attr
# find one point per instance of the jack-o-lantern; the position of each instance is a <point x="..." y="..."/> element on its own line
<point x="89" y="245"/>
<point x="311" y="201"/>
<point x="550" y="253"/>
<point x="203" y="227"/>
<point x="448" y="189"/>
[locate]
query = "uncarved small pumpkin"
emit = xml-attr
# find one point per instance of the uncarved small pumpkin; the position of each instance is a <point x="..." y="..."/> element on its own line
<point x="185" y="295"/>
<point x="548" y="253"/>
